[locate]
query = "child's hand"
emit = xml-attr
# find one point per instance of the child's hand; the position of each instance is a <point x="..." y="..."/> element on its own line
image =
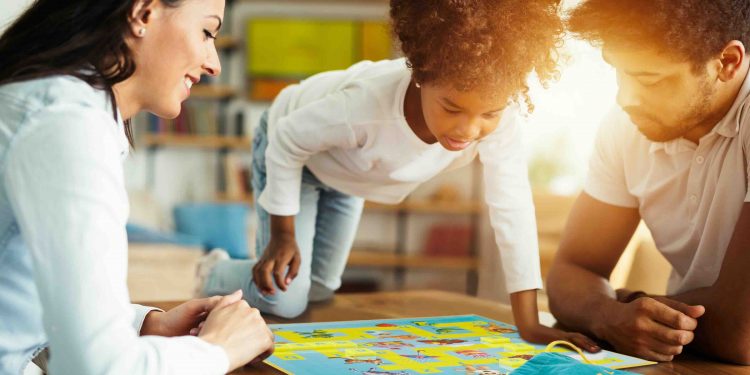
<point x="282" y="252"/>
<point x="540" y="334"/>
<point x="526" y="316"/>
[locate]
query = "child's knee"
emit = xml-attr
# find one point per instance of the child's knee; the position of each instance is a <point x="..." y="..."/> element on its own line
<point x="290" y="303"/>
<point x="289" y="309"/>
<point x="320" y="292"/>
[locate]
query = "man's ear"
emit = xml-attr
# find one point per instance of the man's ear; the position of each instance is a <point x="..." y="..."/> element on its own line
<point x="140" y="16"/>
<point x="731" y="60"/>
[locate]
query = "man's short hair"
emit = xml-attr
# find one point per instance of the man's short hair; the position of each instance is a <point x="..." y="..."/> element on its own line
<point x="688" y="30"/>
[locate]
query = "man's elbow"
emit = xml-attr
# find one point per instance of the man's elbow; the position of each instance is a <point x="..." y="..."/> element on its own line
<point x="729" y="342"/>
<point x="735" y="356"/>
<point x="736" y="348"/>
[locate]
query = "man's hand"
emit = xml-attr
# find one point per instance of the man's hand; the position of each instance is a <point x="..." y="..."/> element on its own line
<point x="279" y="263"/>
<point x="651" y="328"/>
<point x="180" y="320"/>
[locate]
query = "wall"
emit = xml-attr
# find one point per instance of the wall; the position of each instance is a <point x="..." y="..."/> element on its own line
<point x="562" y="128"/>
<point x="189" y="175"/>
<point x="9" y="10"/>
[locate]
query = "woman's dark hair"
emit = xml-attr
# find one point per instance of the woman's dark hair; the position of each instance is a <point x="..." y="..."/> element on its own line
<point x="471" y="44"/>
<point x="69" y="38"/>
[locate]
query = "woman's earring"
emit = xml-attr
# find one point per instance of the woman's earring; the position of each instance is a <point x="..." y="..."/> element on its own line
<point x="142" y="32"/>
<point x="418" y="85"/>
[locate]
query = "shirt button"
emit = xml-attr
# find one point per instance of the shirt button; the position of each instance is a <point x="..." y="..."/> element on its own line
<point x="693" y="198"/>
<point x="700" y="159"/>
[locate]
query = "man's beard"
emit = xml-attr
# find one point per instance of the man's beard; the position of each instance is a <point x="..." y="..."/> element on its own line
<point x="656" y="131"/>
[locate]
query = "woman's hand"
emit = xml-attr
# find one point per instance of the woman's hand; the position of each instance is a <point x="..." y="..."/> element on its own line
<point x="180" y="320"/>
<point x="239" y="329"/>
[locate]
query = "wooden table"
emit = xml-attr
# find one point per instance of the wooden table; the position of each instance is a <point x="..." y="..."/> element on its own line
<point x="412" y="304"/>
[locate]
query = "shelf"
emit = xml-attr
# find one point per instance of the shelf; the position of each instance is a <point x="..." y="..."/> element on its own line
<point x="198" y="141"/>
<point x="409" y="207"/>
<point x="226" y="42"/>
<point x="427" y="207"/>
<point x="223" y="198"/>
<point x="212" y="91"/>
<point x="388" y="259"/>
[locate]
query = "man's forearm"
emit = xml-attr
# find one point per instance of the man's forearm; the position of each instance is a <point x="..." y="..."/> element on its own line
<point x="579" y="298"/>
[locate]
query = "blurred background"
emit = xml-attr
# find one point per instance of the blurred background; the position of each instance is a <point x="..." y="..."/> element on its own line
<point x="188" y="178"/>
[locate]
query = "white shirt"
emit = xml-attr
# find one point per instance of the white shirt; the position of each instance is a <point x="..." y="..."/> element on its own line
<point x="63" y="247"/>
<point x="348" y="127"/>
<point x="690" y="196"/>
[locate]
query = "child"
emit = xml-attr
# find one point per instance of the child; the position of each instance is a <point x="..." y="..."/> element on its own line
<point x="377" y="130"/>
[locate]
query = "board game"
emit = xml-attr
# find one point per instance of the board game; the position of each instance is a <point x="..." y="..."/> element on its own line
<point x="465" y="344"/>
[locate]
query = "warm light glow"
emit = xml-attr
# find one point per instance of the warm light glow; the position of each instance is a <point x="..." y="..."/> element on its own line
<point x="560" y="133"/>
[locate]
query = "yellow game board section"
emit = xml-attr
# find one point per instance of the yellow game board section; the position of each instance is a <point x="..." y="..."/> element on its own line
<point x="607" y="361"/>
<point x="316" y="346"/>
<point x="467" y="329"/>
<point x="437" y="365"/>
<point x="471" y="328"/>
<point x="359" y="352"/>
<point x="289" y="356"/>
<point x="443" y="356"/>
<point x="343" y="346"/>
<point x="512" y="362"/>
<point x="494" y="342"/>
<point x="444" y="347"/>
<point x="342" y="334"/>
<point x="515" y="347"/>
<point x="360" y="333"/>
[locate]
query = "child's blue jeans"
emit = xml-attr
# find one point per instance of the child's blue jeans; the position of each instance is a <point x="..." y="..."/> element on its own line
<point x="324" y="230"/>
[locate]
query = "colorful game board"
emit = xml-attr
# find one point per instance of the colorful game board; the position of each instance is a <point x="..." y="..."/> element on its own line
<point x="466" y="344"/>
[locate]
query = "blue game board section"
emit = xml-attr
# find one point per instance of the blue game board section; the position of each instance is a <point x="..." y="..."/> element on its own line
<point x="465" y="344"/>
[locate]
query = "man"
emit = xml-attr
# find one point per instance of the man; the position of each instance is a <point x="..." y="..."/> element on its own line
<point x="675" y="155"/>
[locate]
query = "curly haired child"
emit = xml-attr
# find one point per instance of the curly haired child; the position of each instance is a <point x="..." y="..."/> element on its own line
<point x="377" y="130"/>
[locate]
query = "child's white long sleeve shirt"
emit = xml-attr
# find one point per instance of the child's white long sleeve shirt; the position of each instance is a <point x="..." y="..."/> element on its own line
<point x="348" y="127"/>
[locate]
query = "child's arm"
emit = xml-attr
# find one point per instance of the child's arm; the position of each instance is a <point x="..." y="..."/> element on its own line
<point x="526" y="316"/>
<point x="282" y="251"/>
<point x="292" y="140"/>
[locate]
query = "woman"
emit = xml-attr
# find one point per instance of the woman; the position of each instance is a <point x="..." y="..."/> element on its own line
<point x="70" y="73"/>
